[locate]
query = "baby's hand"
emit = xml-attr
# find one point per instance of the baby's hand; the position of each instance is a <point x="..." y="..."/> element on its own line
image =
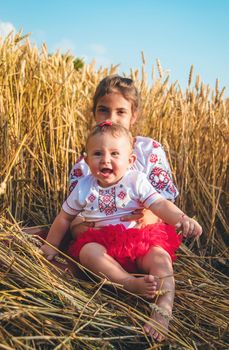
<point x="48" y="251"/>
<point x="189" y="227"/>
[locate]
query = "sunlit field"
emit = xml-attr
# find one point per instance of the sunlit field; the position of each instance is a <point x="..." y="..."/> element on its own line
<point x="45" y="115"/>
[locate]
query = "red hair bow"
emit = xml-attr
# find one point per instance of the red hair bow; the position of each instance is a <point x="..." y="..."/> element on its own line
<point x="106" y="122"/>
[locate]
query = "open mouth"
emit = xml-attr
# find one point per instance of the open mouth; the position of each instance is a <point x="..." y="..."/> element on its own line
<point x="106" y="172"/>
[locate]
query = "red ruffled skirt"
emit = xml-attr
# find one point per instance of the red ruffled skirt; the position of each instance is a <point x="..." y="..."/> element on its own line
<point x="125" y="245"/>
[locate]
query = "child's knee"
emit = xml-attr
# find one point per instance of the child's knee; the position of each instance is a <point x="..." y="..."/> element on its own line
<point x="160" y="255"/>
<point x="156" y="250"/>
<point x="90" y="252"/>
<point x="156" y="256"/>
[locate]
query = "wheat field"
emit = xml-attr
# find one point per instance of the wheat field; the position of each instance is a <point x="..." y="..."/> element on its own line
<point x="45" y="115"/>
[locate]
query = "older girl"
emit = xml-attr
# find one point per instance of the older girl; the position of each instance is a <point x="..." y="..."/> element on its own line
<point x="117" y="99"/>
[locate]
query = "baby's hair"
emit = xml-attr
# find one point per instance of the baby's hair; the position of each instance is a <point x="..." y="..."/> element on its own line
<point x="116" y="83"/>
<point x="116" y="130"/>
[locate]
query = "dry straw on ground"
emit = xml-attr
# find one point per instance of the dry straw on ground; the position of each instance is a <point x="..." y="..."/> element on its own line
<point x="45" y="114"/>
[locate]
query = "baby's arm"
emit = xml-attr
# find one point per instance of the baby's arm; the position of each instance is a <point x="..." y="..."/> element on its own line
<point x="77" y="174"/>
<point x="171" y="214"/>
<point x="56" y="233"/>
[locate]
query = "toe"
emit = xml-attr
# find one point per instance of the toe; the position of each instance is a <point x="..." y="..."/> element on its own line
<point x="147" y="328"/>
<point x="153" y="334"/>
<point x="160" y="337"/>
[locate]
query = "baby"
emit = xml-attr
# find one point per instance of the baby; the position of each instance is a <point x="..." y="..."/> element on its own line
<point x="113" y="248"/>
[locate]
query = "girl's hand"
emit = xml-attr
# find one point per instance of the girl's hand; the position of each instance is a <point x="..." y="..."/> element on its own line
<point x="189" y="227"/>
<point x="48" y="251"/>
<point x="136" y="215"/>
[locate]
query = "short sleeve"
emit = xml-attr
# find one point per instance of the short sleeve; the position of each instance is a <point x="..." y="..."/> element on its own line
<point x="146" y="194"/>
<point x="72" y="204"/>
<point x="157" y="168"/>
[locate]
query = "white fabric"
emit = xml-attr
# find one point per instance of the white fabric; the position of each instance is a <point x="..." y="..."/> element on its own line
<point x="151" y="160"/>
<point x="105" y="206"/>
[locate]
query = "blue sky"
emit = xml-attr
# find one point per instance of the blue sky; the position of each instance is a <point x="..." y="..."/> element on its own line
<point x="177" y="32"/>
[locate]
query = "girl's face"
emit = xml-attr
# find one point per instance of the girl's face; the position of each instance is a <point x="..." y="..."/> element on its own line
<point x="109" y="158"/>
<point x="116" y="108"/>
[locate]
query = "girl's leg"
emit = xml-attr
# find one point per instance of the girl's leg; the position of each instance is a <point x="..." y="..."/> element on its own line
<point x="158" y="263"/>
<point x="94" y="256"/>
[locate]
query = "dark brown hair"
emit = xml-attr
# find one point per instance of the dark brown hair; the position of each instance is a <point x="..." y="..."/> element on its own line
<point x="116" y="83"/>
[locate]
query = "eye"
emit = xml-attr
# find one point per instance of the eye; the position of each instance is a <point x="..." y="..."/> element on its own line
<point x="102" y="110"/>
<point x="115" y="153"/>
<point x="121" y="111"/>
<point x="97" y="153"/>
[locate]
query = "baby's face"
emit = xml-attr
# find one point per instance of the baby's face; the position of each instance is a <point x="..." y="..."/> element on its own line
<point x="114" y="107"/>
<point x="109" y="158"/>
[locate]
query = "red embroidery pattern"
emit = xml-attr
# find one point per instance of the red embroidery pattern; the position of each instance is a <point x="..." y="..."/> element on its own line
<point x="73" y="185"/>
<point x="172" y="189"/>
<point x="159" y="178"/>
<point x="153" y="158"/>
<point x="107" y="201"/>
<point x="122" y="195"/>
<point x="77" y="172"/>
<point x="156" y="144"/>
<point x="91" y="198"/>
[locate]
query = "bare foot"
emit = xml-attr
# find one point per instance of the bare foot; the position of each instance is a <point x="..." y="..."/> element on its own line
<point x="145" y="286"/>
<point x="158" y="329"/>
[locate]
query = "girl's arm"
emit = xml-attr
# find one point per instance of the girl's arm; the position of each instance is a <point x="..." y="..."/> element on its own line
<point x="77" y="173"/>
<point x="56" y="234"/>
<point x="171" y="214"/>
<point x="156" y="166"/>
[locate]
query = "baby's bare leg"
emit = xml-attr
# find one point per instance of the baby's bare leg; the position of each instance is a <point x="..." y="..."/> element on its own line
<point x="158" y="263"/>
<point x="94" y="256"/>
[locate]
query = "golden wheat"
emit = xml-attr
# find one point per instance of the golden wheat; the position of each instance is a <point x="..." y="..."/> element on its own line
<point x="45" y="115"/>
